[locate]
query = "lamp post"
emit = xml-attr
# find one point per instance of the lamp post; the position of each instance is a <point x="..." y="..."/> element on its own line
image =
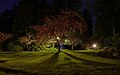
<point x="58" y="44"/>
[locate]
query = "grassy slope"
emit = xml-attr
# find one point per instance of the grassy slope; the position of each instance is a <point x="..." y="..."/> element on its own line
<point x="81" y="62"/>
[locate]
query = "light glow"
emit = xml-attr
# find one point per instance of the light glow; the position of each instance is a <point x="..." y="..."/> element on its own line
<point x="58" y="38"/>
<point x="94" y="45"/>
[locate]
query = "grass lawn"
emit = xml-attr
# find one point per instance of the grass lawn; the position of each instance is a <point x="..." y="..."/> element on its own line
<point x="80" y="62"/>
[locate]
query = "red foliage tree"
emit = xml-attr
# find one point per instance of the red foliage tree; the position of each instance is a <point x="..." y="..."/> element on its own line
<point x="4" y="36"/>
<point x="62" y="25"/>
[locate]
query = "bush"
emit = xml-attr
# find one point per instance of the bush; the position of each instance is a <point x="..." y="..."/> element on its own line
<point x="109" y="53"/>
<point x="35" y="48"/>
<point x="14" y="47"/>
<point x="45" y="46"/>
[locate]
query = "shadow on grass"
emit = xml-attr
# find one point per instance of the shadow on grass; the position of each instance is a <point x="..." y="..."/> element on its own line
<point x="14" y="54"/>
<point x="30" y="56"/>
<point x="3" y="61"/>
<point x="52" y="60"/>
<point x="24" y="56"/>
<point x="74" y="57"/>
<point x="88" y="62"/>
<point x="14" y="71"/>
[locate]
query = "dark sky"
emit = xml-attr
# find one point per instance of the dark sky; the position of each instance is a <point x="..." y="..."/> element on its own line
<point x="7" y="4"/>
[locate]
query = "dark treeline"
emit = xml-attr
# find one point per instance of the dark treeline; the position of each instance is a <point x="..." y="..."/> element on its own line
<point x="31" y="12"/>
<point x="108" y="17"/>
<point x="107" y="27"/>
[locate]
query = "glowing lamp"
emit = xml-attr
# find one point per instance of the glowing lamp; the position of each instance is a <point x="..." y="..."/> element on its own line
<point x="58" y="38"/>
<point x="94" y="45"/>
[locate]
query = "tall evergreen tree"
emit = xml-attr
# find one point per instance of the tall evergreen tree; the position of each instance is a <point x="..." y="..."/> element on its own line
<point x="66" y="4"/>
<point x="23" y="18"/>
<point x="108" y="17"/>
<point x="88" y="19"/>
<point x="6" y="20"/>
<point x="28" y="13"/>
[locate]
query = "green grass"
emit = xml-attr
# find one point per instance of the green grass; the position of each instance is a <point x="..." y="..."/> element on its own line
<point x="80" y="62"/>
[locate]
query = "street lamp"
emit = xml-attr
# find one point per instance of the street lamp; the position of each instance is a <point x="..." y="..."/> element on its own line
<point x="58" y="38"/>
<point x="58" y="44"/>
<point x="94" y="45"/>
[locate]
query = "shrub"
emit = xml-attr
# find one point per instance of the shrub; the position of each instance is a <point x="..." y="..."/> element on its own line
<point x="45" y="46"/>
<point x="14" y="47"/>
<point x="109" y="53"/>
<point x="3" y="38"/>
<point x="35" y="47"/>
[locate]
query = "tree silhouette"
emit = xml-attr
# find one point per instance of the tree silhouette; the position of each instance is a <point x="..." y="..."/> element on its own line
<point x="89" y="32"/>
<point x="107" y="12"/>
<point x="6" y="20"/>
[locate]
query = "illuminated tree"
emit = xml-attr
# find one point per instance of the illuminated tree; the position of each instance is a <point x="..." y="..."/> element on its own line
<point x="62" y="25"/>
<point x="4" y="36"/>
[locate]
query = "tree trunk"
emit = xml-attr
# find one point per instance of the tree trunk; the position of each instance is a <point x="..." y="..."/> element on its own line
<point x="1" y="49"/>
<point x="53" y="45"/>
<point x="58" y="45"/>
<point x="72" y="46"/>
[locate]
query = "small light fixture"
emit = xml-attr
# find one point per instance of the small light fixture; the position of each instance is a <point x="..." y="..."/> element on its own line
<point x="58" y="38"/>
<point x="94" y="45"/>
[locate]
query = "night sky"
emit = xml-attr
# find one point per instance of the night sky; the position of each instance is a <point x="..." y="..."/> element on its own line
<point x="7" y="4"/>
